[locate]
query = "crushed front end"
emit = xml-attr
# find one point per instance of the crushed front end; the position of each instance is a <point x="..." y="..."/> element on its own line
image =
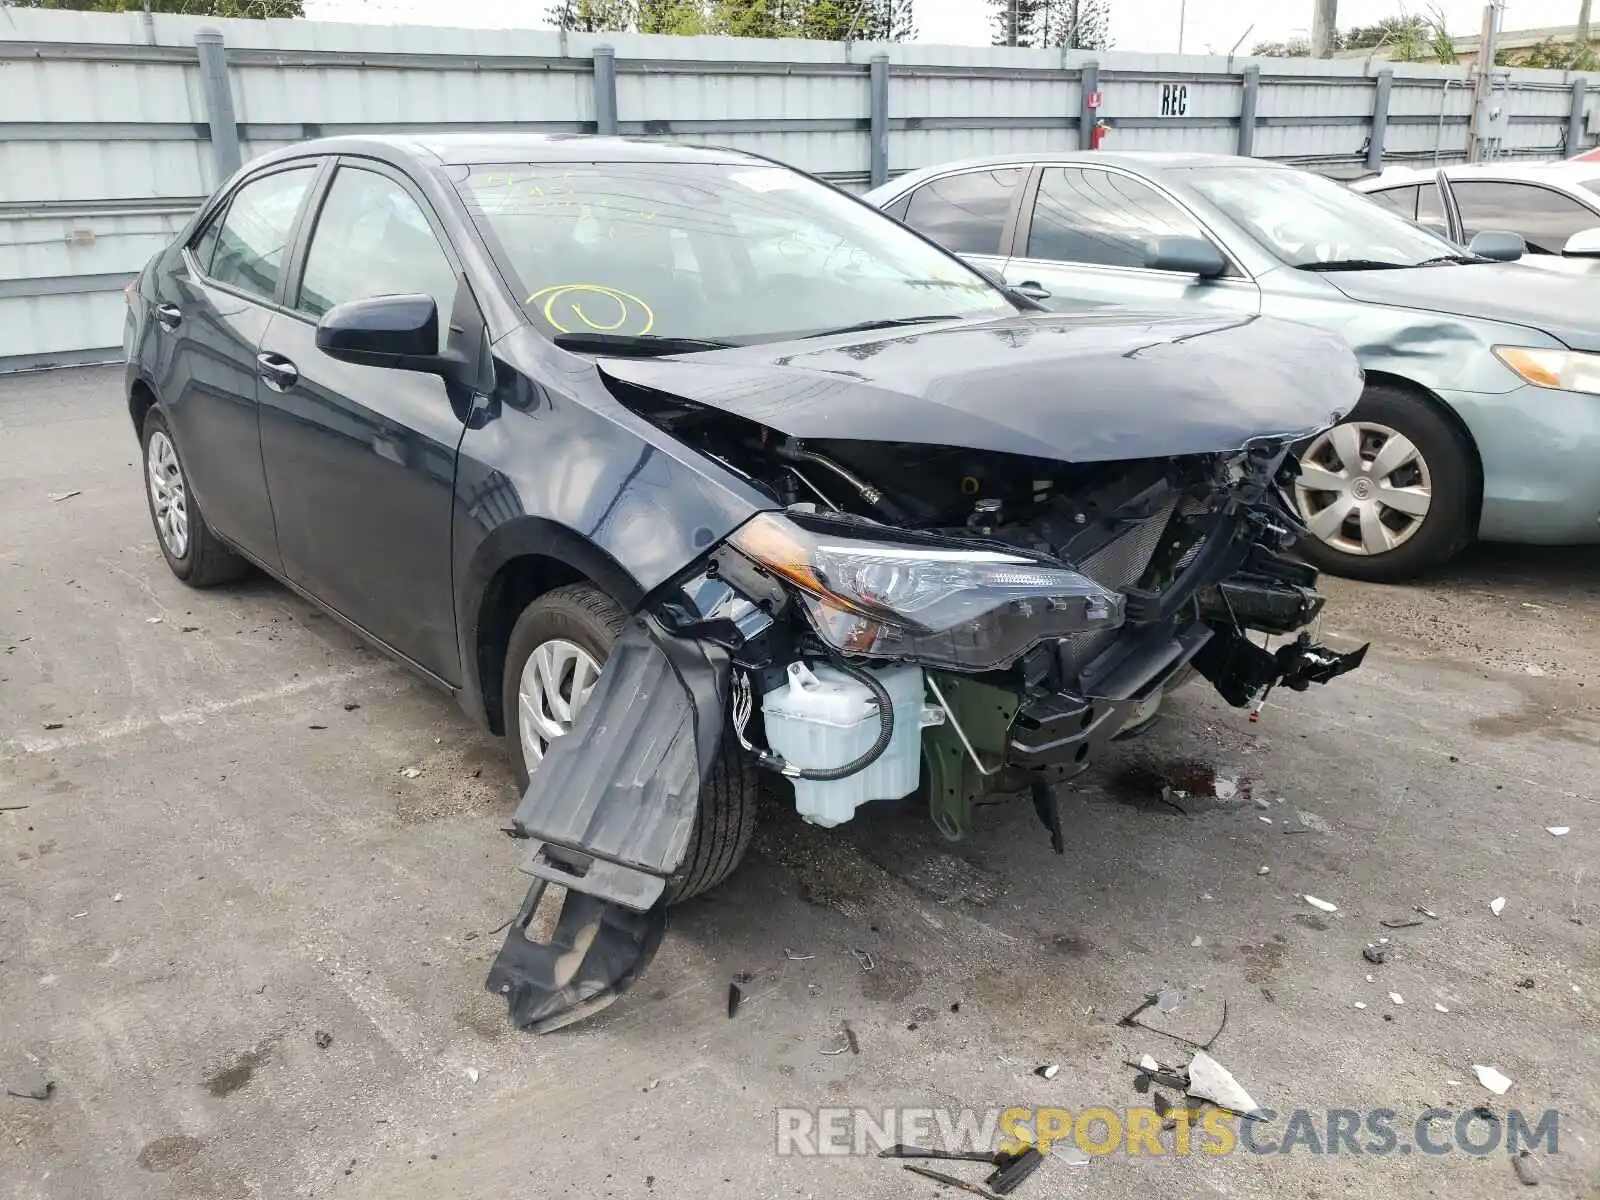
<point x="906" y="619"/>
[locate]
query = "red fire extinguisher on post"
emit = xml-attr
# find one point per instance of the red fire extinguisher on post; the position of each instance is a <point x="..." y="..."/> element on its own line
<point x="1097" y="127"/>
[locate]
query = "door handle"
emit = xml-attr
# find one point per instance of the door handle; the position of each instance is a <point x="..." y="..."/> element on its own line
<point x="170" y="315"/>
<point x="1031" y="289"/>
<point x="277" y="372"/>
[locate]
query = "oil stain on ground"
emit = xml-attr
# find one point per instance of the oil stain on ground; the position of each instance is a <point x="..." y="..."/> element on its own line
<point x="168" y="1153"/>
<point x="237" y="1073"/>
<point x="1185" y="785"/>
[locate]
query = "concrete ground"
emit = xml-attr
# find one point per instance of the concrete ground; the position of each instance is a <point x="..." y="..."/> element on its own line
<point x="211" y="857"/>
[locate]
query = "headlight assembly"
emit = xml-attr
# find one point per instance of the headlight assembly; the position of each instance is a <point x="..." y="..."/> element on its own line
<point x="971" y="609"/>
<point x="1569" y="370"/>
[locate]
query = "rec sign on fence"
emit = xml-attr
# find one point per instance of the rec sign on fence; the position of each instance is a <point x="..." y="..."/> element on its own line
<point x="1174" y="99"/>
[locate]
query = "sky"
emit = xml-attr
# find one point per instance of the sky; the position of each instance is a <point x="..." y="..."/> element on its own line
<point x="1213" y="26"/>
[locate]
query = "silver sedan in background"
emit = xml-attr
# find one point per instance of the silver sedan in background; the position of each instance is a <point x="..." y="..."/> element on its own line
<point x="1481" y="414"/>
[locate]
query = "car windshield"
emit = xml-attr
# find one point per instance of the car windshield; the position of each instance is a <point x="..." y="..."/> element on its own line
<point x="710" y="252"/>
<point x="1312" y="222"/>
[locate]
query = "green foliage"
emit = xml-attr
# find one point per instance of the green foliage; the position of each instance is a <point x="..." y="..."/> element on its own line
<point x="1552" y="54"/>
<point x="825" y="20"/>
<point x="193" y="8"/>
<point x="1293" y="48"/>
<point x="1050" y="24"/>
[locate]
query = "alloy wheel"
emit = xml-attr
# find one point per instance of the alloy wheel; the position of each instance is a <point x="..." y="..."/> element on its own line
<point x="169" y="497"/>
<point x="556" y="682"/>
<point x="1364" y="488"/>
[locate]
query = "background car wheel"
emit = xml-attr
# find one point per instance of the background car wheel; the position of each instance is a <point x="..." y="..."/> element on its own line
<point x="194" y="553"/>
<point x="1387" y="493"/>
<point x="558" y="647"/>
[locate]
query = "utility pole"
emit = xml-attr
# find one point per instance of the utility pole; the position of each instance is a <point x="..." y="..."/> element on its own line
<point x="1324" y="21"/>
<point x="1183" y="6"/>
<point x="1483" y="82"/>
<point x="1581" y="41"/>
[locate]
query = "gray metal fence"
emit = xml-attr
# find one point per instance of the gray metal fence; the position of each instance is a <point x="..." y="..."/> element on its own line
<point x="114" y="126"/>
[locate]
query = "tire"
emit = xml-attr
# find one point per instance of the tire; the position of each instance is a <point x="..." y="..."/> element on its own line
<point x="198" y="557"/>
<point x="589" y="619"/>
<point x="1437" y="485"/>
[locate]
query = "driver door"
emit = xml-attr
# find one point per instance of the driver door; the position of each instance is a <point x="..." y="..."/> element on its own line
<point x="1081" y="241"/>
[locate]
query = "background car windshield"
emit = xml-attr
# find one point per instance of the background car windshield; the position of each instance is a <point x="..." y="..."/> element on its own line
<point x="730" y="252"/>
<point x="1305" y="219"/>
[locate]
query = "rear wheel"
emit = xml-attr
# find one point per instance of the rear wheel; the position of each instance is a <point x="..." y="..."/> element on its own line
<point x="558" y="648"/>
<point x="1388" y="492"/>
<point x="195" y="554"/>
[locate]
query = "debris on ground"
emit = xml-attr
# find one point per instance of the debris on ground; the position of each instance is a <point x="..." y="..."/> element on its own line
<point x="1396" y="998"/>
<point x="1558" y="830"/>
<point x="1168" y="999"/>
<point x="411" y="772"/>
<point x="1047" y="1071"/>
<point x="651" y="1086"/>
<point x="152" y="620"/>
<point x="947" y="1180"/>
<point x="1361" y="1004"/>
<point x="472" y="1074"/>
<point x="1263" y="870"/>
<point x="323" y="1039"/>
<point x="1492" y="1079"/>
<point x="1210" y="1080"/>
<point x="58" y="497"/>
<point x="31" y="1084"/>
<point x="1149" y="1064"/>
<point x="1526" y="983"/>
<point x="1263" y="802"/>
<point x="351" y="707"/>
<point x="735" y="998"/>
<point x="1224" y="788"/>
<point x="1198" y="941"/>
<point x="1497" y="905"/>
<point x="1440" y="1008"/>
<point x="1428" y="912"/>
<point x="55" y="725"/>
<point x="863" y="957"/>
<point x="1267" y="820"/>
<point x="1522" y="1165"/>
<point x="793" y="957"/>
<point x="1009" y="1176"/>
<point x="1400" y="923"/>
<point x="1323" y="905"/>
<point x="1375" y="954"/>
<point x="14" y="807"/>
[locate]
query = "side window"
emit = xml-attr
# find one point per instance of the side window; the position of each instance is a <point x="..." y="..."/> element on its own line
<point x="206" y="245"/>
<point x="899" y="208"/>
<point x="1087" y="215"/>
<point x="967" y="212"/>
<point x="1546" y="219"/>
<point x="253" y="236"/>
<point x="1402" y="199"/>
<point x="371" y="239"/>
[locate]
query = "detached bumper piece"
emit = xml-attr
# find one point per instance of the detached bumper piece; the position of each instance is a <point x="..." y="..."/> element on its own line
<point x="608" y="816"/>
<point x="1243" y="672"/>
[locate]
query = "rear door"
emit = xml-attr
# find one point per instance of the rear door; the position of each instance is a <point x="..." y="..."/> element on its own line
<point x="971" y="212"/>
<point x="360" y="461"/>
<point x="211" y="311"/>
<point x="1543" y="216"/>
<point x="1081" y="241"/>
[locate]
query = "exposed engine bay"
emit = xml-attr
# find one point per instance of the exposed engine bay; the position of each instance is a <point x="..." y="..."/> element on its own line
<point x="906" y="619"/>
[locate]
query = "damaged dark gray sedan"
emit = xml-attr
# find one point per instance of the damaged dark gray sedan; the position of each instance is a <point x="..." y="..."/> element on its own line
<point x="679" y="467"/>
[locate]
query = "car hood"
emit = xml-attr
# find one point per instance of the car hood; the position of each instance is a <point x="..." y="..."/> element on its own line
<point x="1553" y="302"/>
<point x="1095" y="386"/>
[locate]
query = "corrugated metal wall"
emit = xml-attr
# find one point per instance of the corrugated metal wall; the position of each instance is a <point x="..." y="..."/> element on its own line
<point x="105" y="141"/>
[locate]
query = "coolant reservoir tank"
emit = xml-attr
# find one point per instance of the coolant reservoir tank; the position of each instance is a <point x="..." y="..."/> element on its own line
<point x="820" y="717"/>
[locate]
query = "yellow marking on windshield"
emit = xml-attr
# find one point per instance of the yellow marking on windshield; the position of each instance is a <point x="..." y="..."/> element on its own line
<point x="630" y="308"/>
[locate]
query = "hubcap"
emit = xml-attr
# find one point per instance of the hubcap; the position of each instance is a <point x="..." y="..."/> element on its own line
<point x="169" y="499"/>
<point x="556" y="682"/>
<point x="1364" y="488"/>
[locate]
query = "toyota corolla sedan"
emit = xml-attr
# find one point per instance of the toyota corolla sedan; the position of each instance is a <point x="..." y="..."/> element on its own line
<point x="677" y="466"/>
<point x="1481" y="412"/>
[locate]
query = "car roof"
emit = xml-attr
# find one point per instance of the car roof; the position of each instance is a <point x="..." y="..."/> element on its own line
<point x="1149" y="161"/>
<point x="460" y="149"/>
<point x="1559" y="172"/>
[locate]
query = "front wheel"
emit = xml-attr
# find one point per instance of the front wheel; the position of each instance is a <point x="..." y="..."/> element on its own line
<point x="558" y="648"/>
<point x="194" y="554"/>
<point x="1388" y="492"/>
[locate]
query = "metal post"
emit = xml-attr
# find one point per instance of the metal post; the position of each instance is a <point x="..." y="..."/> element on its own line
<point x="218" y="98"/>
<point x="1580" y="89"/>
<point x="1483" y="81"/>
<point x="878" y="123"/>
<point x="1088" y="85"/>
<point x="1324" y="22"/>
<point x="1380" y="119"/>
<point x="605" y="90"/>
<point x="1247" y="110"/>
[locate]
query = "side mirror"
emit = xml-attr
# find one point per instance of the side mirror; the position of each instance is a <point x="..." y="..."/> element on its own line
<point x="1498" y="245"/>
<point x="1020" y="298"/>
<point x="1185" y="255"/>
<point x="399" y="332"/>
<point x="1583" y="244"/>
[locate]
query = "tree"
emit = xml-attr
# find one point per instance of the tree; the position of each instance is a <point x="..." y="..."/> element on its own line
<point x="1064" y="24"/>
<point x="592" y="16"/>
<point x="194" y="8"/>
<point x="1293" y="48"/>
<point x="686" y="18"/>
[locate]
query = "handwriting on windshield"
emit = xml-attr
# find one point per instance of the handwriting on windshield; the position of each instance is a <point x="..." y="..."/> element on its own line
<point x="573" y="307"/>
